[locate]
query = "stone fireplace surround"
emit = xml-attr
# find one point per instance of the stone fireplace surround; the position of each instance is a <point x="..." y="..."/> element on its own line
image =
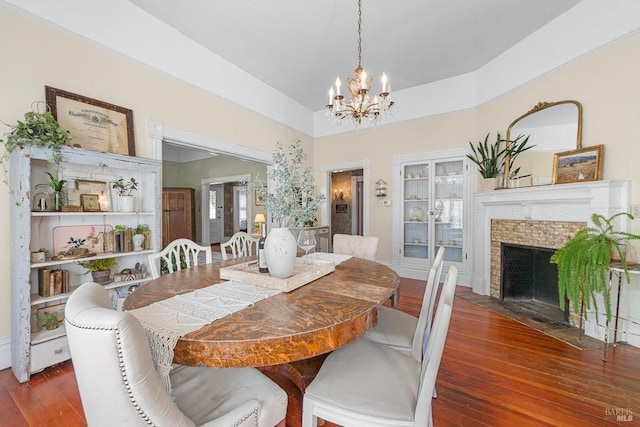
<point x="543" y="216"/>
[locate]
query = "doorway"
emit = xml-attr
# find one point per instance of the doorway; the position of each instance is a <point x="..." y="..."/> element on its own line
<point x="216" y="213"/>
<point x="347" y="204"/>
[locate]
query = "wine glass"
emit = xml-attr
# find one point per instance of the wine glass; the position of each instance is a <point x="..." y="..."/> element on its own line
<point x="307" y="240"/>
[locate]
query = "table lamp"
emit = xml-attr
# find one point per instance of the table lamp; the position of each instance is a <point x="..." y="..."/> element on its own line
<point x="257" y="221"/>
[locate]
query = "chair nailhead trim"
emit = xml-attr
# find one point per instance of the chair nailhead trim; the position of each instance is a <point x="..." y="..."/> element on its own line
<point x="246" y="417"/>
<point x="123" y="371"/>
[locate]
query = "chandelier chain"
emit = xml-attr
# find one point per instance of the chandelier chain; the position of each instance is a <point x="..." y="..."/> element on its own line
<point x="359" y="33"/>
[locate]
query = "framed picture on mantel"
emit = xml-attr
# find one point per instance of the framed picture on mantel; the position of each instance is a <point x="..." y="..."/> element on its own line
<point x="94" y="125"/>
<point x="584" y="164"/>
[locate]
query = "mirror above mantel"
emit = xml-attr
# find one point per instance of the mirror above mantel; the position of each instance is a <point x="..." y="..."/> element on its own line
<point x="552" y="127"/>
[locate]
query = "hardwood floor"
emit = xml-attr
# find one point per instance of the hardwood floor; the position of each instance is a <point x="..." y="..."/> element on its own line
<point x="494" y="372"/>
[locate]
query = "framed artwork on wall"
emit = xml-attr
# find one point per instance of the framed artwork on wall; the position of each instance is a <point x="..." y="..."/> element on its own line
<point x="584" y="164"/>
<point x="94" y="125"/>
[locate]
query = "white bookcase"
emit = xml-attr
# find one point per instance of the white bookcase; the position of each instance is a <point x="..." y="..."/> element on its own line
<point x="32" y="349"/>
<point x="431" y="209"/>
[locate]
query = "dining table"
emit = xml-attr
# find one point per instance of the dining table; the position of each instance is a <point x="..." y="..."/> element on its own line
<point x="289" y="333"/>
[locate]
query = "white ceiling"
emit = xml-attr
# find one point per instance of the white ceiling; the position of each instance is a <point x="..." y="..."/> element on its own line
<point x="299" y="46"/>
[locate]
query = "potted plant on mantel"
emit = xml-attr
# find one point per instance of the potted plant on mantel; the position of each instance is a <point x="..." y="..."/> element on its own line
<point x="490" y="158"/>
<point x="291" y="202"/>
<point x="100" y="269"/>
<point x="584" y="262"/>
<point x="125" y="190"/>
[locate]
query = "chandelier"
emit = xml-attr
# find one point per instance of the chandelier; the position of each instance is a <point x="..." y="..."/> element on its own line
<point x="360" y="107"/>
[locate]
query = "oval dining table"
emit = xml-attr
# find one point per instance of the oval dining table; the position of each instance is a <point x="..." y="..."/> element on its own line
<point x="286" y="333"/>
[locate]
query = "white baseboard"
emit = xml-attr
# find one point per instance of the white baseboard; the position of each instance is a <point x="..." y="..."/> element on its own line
<point x="5" y="352"/>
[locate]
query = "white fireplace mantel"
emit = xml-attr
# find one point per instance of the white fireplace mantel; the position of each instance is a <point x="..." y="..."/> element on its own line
<point x="563" y="202"/>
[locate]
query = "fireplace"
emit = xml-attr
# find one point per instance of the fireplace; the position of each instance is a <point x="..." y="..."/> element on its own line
<point x="542" y="217"/>
<point x="530" y="281"/>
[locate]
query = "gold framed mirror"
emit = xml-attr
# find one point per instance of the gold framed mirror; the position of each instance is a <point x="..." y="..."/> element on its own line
<point x="552" y="127"/>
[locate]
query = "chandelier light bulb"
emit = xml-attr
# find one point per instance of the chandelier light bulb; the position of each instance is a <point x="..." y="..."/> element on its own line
<point x="331" y="96"/>
<point x="338" y="85"/>
<point x="384" y="80"/>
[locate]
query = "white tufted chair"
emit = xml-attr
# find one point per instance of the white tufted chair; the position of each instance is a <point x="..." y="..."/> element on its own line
<point x="241" y="244"/>
<point x="120" y="387"/>
<point x="358" y="246"/>
<point x="404" y="332"/>
<point x="366" y="383"/>
<point x="180" y="249"/>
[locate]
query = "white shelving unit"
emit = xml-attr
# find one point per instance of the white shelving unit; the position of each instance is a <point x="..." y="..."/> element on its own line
<point x="32" y="348"/>
<point x="431" y="210"/>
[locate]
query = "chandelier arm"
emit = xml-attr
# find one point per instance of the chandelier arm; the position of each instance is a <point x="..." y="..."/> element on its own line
<point x="359" y="33"/>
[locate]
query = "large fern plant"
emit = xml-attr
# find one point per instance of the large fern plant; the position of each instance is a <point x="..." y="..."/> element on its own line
<point x="584" y="261"/>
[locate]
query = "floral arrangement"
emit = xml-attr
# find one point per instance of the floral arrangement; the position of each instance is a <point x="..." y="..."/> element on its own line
<point x="292" y="200"/>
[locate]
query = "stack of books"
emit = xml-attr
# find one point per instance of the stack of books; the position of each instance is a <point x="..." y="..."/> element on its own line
<point x="52" y="282"/>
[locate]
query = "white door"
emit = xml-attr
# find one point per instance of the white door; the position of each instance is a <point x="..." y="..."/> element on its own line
<point x="216" y="212"/>
<point x="240" y="202"/>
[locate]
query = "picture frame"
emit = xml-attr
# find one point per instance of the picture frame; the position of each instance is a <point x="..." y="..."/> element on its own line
<point x="99" y="188"/>
<point x="260" y="197"/>
<point x="94" y="125"/>
<point x="584" y="164"/>
<point x="89" y="202"/>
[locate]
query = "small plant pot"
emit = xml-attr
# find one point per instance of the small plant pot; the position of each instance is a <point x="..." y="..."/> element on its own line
<point x="52" y="324"/>
<point x="127" y="203"/>
<point x="102" y="277"/>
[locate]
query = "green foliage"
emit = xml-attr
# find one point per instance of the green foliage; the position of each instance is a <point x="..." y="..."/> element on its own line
<point x="491" y="158"/>
<point x="99" y="264"/>
<point x="583" y="263"/>
<point x="55" y="183"/>
<point x="292" y="200"/>
<point x="141" y="228"/>
<point x="39" y="129"/>
<point x="49" y="321"/>
<point x="488" y="157"/>
<point x="125" y="188"/>
<point x="513" y="148"/>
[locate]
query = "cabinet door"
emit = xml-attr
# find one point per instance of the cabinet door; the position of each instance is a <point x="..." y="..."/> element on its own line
<point x="416" y="194"/>
<point x="448" y="208"/>
<point x="177" y="214"/>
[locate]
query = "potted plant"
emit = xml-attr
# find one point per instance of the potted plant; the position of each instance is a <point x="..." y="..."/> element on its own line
<point x="125" y="190"/>
<point x="491" y="158"/>
<point x="100" y="269"/>
<point x="144" y="230"/>
<point x="57" y="185"/>
<point x="584" y="261"/>
<point x="39" y="128"/>
<point x="49" y="321"/>
<point x="291" y="202"/>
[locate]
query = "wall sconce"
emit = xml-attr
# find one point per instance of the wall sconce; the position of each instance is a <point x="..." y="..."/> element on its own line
<point x="381" y="188"/>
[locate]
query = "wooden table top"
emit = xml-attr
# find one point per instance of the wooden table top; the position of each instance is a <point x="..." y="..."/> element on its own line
<point x="309" y="321"/>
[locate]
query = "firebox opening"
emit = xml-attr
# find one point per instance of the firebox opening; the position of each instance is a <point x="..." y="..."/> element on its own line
<point x="530" y="281"/>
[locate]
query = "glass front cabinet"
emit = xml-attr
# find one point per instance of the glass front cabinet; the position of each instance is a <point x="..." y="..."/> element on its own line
<point x="431" y="209"/>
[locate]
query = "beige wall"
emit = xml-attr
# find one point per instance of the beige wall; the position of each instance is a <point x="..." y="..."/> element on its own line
<point x="606" y="82"/>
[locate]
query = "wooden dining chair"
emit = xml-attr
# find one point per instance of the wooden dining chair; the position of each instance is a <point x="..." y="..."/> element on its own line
<point x="179" y="254"/>
<point x="119" y="385"/>
<point x="404" y="332"/>
<point x="241" y="244"/>
<point x="366" y="383"/>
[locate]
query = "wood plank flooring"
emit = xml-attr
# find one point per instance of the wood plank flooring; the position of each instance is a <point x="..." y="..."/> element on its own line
<point x="494" y="372"/>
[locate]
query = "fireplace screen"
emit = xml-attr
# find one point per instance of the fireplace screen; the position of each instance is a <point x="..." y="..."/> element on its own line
<point x="528" y="274"/>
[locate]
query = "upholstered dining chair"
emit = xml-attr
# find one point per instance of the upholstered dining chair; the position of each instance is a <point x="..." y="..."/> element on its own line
<point x="404" y="332"/>
<point x="366" y="383"/>
<point x="119" y="385"/>
<point x="241" y="245"/>
<point x="357" y="246"/>
<point x="179" y="254"/>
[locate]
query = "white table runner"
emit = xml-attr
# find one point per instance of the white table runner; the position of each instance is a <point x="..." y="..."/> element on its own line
<point x="168" y="320"/>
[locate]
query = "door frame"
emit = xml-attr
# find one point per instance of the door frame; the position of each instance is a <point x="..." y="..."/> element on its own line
<point x="204" y="215"/>
<point x="159" y="133"/>
<point x="325" y="187"/>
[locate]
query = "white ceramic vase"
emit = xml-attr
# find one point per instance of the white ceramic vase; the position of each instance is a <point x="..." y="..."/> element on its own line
<point x="127" y="203"/>
<point x="280" y="251"/>
<point x="138" y="239"/>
